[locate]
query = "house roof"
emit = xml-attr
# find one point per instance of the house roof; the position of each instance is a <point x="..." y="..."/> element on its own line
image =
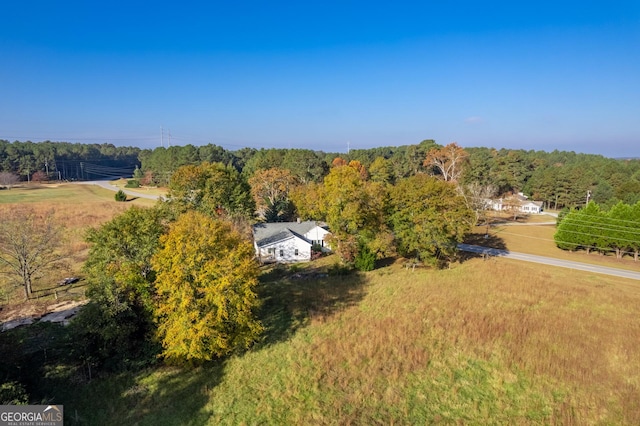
<point x="269" y="233"/>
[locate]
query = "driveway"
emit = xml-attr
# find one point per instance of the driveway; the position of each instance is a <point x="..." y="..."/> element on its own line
<point x="550" y="261"/>
<point x="107" y="185"/>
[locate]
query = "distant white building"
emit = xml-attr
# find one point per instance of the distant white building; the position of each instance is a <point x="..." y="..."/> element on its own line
<point x="288" y="242"/>
<point x="519" y="202"/>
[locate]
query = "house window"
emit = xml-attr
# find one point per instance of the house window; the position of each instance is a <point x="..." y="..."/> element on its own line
<point x="271" y="251"/>
<point x="296" y="252"/>
<point x="281" y="253"/>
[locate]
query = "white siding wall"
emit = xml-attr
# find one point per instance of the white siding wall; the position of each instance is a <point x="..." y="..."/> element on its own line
<point x="318" y="234"/>
<point x="285" y="251"/>
<point x="530" y="208"/>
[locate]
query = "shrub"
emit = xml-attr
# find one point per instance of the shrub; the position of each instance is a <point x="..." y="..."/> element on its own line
<point x="39" y="176"/>
<point x="121" y="196"/>
<point x="365" y="259"/>
<point x="133" y="183"/>
<point x="13" y="393"/>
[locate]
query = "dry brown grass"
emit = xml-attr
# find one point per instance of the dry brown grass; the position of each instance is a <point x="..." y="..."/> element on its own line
<point x="76" y="207"/>
<point x="572" y="333"/>
<point x="151" y="190"/>
<point x="538" y="240"/>
<point x="486" y="342"/>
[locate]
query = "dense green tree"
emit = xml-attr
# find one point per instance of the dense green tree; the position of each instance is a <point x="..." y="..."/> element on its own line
<point x="215" y="154"/>
<point x="215" y="189"/>
<point x="354" y="207"/>
<point x="412" y="160"/>
<point x="306" y="165"/>
<point x="381" y="170"/>
<point x="429" y="218"/>
<point x="117" y="324"/>
<point x="478" y="170"/>
<point x="628" y="192"/>
<point x="206" y="279"/>
<point x="120" y="196"/>
<point x="582" y="229"/>
<point x="264" y="159"/>
<point x="622" y="229"/>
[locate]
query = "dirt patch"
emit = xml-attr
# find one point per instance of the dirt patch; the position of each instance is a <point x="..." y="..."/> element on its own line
<point x="29" y="313"/>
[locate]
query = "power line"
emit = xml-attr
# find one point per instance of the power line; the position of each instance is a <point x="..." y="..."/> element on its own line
<point x="604" y="227"/>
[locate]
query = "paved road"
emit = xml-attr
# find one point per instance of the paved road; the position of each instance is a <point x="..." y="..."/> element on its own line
<point x="551" y="261"/>
<point x="107" y="185"/>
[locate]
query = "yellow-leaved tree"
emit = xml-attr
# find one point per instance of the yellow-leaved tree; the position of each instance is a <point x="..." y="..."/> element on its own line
<point x="206" y="277"/>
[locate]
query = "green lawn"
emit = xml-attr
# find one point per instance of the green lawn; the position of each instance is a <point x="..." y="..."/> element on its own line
<point x="486" y="342"/>
<point x="67" y="193"/>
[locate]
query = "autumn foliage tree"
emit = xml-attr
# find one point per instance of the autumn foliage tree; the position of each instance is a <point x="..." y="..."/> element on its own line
<point x="206" y="276"/>
<point x="355" y="211"/>
<point x="270" y="189"/>
<point x="429" y="218"/>
<point x="31" y="246"/>
<point x="449" y="161"/>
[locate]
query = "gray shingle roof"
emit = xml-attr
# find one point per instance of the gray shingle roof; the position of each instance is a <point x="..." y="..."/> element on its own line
<point x="268" y="233"/>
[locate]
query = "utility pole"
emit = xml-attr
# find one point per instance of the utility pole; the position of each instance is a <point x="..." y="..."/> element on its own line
<point x="348" y="147"/>
<point x="161" y="137"/>
<point x="169" y="144"/>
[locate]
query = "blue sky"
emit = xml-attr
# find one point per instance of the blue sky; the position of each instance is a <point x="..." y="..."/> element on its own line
<point x="539" y="75"/>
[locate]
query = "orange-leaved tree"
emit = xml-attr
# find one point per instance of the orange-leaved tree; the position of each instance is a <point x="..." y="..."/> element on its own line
<point x="270" y="189"/>
<point x="449" y="161"/>
<point x="206" y="277"/>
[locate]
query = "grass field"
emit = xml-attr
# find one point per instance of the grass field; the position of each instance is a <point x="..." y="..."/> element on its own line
<point x="538" y="240"/>
<point x="486" y="342"/>
<point x="77" y="207"/>
<point x="120" y="183"/>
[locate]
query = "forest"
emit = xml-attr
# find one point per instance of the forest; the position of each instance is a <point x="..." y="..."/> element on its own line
<point x="560" y="178"/>
<point x="179" y="283"/>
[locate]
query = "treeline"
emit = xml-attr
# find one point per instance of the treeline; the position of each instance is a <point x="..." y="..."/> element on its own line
<point x="559" y="178"/>
<point x="593" y="229"/>
<point x="66" y="161"/>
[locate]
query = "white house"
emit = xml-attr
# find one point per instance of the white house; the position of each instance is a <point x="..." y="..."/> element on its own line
<point x="531" y="207"/>
<point x="519" y="202"/>
<point x="288" y="241"/>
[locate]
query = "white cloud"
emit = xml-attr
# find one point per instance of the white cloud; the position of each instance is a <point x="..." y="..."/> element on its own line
<point x="474" y="120"/>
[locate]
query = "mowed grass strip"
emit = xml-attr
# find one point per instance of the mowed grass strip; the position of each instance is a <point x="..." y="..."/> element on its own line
<point x="487" y="342"/>
<point x="150" y="190"/>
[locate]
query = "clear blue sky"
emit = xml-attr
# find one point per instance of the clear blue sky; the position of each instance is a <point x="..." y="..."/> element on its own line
<point x="537" y="75"/>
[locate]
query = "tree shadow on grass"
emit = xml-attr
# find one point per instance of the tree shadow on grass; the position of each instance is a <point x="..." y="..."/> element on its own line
<point x="483" y="240"/>
<point x="293" y="296"/>
<point x="292" y="299"/>
<point x="163" y="396"/>
<point x="41" y="358"/>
